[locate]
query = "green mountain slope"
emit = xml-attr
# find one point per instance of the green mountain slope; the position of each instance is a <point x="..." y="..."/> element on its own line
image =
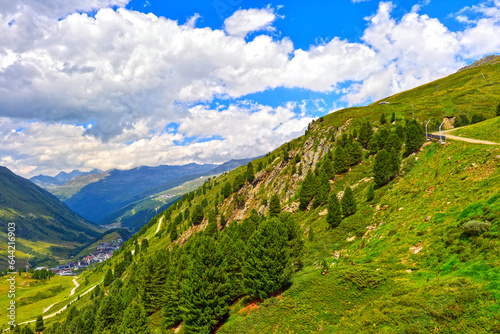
<point x="261" y="249"/>
<point x="44" y="225"/>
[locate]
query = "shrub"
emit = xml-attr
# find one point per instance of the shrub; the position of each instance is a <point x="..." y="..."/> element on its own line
<point x="475" y="227"/>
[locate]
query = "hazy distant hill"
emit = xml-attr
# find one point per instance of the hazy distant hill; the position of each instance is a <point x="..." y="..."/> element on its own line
<point x="48" y="182"/>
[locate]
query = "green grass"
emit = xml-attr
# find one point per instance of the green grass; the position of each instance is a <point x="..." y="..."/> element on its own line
<point x="487" y="130"/>
<point x="33" y="296"/>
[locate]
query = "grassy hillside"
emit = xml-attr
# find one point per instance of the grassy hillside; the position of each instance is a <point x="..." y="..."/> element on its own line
<point x="44" y="225"/>
<point x="407" y="261"/>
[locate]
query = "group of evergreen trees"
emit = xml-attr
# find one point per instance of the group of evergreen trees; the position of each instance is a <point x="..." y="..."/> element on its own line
<point x="340" y="209"/>
<point x="42" y="274"/>
<point x="194" y="283"/>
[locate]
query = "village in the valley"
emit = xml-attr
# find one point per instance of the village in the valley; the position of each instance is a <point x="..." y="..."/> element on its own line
<point x="103" y="252"/>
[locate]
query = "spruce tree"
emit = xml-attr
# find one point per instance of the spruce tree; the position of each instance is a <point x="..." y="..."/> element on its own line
<point x="268" y="263"/>
<point x="323" y="189"/>
<point x="348" y="202"/>
<point x="382" y="119"/>
<point x="393" y="142"/>
<point x="381" y="169"/>
<point x="197" y="215"/>
<point x="274" y="206"/>
<point x="227" y="190"/>
<point x="308" y="190"/>
<point x="415" y="137"/>
<point x="250" y="173"/>
<point x="108" y="278"/>
<point x="394" y="163"/>
<point x="334" y="216"/>
<point x="365" y="134"/>
<point x="370" y="193"/>
<point x="393" y="117"/>
<point x="212" y="229"/>
<point x="204" y="290"/>
<point x="134" y="319"/>
<point x="339" y="160"/>
<point x="328" y="168"/>
<point x="171" y="312"/>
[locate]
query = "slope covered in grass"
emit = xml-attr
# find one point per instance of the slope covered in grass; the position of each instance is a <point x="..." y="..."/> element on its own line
<point x="486" y="130"/>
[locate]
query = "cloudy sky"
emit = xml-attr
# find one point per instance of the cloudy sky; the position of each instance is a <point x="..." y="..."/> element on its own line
<point x="118" y="84"/>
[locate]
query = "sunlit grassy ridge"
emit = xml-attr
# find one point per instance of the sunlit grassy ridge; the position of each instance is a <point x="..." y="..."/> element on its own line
<point x="487" y="130"/>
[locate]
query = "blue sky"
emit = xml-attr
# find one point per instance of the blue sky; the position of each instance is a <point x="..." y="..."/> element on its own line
<point x="119" y="84"/>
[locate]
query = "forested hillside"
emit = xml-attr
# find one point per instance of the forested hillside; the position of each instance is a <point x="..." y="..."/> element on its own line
<point x="358" y="226"/>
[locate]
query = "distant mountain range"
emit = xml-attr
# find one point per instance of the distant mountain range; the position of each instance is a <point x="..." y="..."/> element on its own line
<point x="48" y="182"/>
<point x="107" y="197"/>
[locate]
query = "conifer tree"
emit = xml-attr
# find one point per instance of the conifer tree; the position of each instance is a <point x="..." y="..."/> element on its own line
<point x="382" y="119"/>
<point x="17" y="330"/>
<point x="227" y="190"/>
<point x="323" y="189"/>
<point x="400" y="132"/>
<point x="370" y="193"/>
<point x="204" y="203"/>
<point x="394" y="163"/>
<point x="108" y="278"/>
<point x="212" y="229"/>
<point x="365" y="134"/>
<point x="197" y="215"/>
<point x="308" y="190"/>
<point x="415" y="137"/>
<point x="250" y="173"/>
<point x="136" y="250"/>
<point x="393" y="142"/>
<point x="223" y="221"/>
<point x="356" y="153"/>
<point x="268" y="264"/>
<point x="381" y="169"/>
<point x="27" y="330"/>
<point x="144" y="245"/>
<point x="234" y="251"/>
<point x="134" y="319"/>
<point x="204" y="289"/>
<point x="328" y="168"/>
<point x="39" y="327"/>
<point x="498" y="110"/>
<point x="185" y="216"/>
<point x="339" y="160"/>
<point x="334" y="216"/>
<point x="97" y="290"/>
<point x="171" y="313"/>
<point x="172" y="229"/>
<point x="348" y="202"/>
<point x="274" y="206"/>
<point x="393" y="117"/>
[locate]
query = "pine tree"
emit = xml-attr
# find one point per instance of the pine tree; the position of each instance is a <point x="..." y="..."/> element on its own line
<point x="323" y="189"/>
<point x="27" y="330"/>
<point x="108" y="278"/>
<point x="393" y="117"/>
<point x="250" y="173"/>
<point x="308" y="190"/>
<point x="268" y="264"/>
<point x="365" y="134"/>
<point x="227" y="190"/>
<point x="328" y="168"/>
<point x="212" y="229"/>
<point x="393" y="142"/>
<point x="400" y="131"/>
<point x="144" y="245"/>
<point x="370" y="193"/>
<point x="17" y="330"/>
<point x="197" y="215"/>
<point x="134" y="319"/>
<point x="97" y="290"/>
<point x="498" y="110"/>
<point x="381" y="169"/>
<point x="348" y="202"/>
<point x="274" y="206"/>
<point x="415" y="137"/>
<point x="382" y="119"/>
<point x="339" y="160"/>
<point x="204" y="290"/>
<point x="172" y="230"/>
<point x="334" y="216"/>
<point x="356" y="153"/>
<point x="394" y="163"/>
<point x="171" y="313"/>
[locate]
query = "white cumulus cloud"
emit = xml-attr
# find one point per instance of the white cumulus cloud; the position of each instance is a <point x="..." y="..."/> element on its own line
<point x="244" y="21"/>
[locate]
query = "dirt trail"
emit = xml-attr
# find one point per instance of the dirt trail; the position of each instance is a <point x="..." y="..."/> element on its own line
<point x="159" y="226"/>
<point x="468" y="140"/>
<point x="76" y="287"/>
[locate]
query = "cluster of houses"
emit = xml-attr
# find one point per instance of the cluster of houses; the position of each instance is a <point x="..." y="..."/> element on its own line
<point x="103" y="252"/>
